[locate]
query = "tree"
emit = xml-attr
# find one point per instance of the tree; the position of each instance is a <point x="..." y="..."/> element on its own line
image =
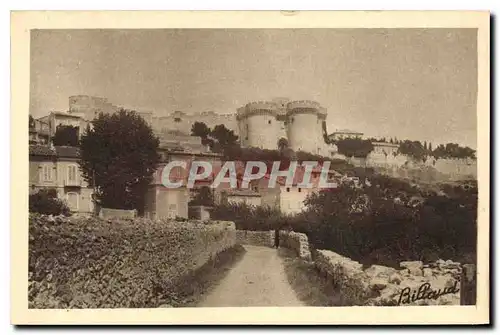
<point x="204" y="196"/>
<point x="453" y="150"/>
<point x="282" y="144"/>
<point x="414" y="149"/>
<point x="354" y="147"/>
<point x="45" y="201"/>
<point x="66" y="135"/>
<point x="201" y="130"/>
<point x="119" y="156"/>
<point x="31" y="122"/>
<point x="325" y="132"/>
<point x="226" y="139"/>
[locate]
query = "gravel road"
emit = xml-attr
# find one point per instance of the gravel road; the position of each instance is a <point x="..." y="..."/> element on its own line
<point x="259" y="279"/>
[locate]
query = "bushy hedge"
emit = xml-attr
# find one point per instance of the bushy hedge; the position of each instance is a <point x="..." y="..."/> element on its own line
<point x="45" y="201"/>
<point x="249" y="217"/>
<point x="385" y="223"/>
<point x="92" y="263"/>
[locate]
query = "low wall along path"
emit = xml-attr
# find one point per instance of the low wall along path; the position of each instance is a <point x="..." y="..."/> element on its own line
<point x="438" y="282"/>
<point x="133" y="263"/>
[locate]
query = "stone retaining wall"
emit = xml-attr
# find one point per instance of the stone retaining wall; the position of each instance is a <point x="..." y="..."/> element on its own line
<point x="111" y="213"/>
<point x="384" y="286"/>
<point x="298" y="242"/>
<point x="94" y="263"/>
<point x="259" y="238"/>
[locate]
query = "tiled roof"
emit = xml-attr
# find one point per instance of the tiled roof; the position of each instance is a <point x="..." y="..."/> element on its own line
<point x="60" y="151"/>
<point x="66" y="114"/>
<point x="41" y="150"/>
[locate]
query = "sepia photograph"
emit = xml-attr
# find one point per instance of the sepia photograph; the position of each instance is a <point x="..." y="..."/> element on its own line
<point x="173" y="169"/>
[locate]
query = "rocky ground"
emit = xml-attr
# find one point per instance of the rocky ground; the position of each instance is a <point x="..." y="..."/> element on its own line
<point x="438" y="283"/>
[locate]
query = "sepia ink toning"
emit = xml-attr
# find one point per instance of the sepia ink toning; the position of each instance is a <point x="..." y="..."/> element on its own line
<point x="252" y="167"/>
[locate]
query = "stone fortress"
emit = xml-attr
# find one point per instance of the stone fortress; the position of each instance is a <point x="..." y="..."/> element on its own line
<point x="262" y="124"/>
<point x="258" y="124"/>
<point x="180" y="122"/>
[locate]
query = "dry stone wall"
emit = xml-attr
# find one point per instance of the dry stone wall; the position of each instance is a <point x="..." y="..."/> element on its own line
<point x="437" y="283"/>
<point x="94" y="263"/>
<point x="298" y="242"/>
<point x="415" y="284"/>
<point x="111" y="213"/>
<point x="258" y="238"/>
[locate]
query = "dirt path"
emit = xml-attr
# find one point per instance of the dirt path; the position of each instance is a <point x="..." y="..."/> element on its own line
<point x="257" y="280"/>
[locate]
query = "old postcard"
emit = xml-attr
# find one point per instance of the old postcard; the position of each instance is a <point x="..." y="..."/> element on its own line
<point x="250" y="168"/>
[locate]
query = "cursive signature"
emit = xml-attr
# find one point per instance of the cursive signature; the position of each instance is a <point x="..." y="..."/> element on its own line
<point x="425" y="292"/>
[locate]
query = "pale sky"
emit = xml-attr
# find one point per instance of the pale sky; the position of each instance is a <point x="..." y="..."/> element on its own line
<point x="405" y="83"/>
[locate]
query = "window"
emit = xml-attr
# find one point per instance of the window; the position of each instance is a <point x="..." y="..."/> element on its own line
<point x="46" y="172"/>
<point x="177" y="119"/>
<point x="72" y="173"/>
<point x="288" y="189"/>
<point x="269" y="122"/>
<point x="300" y="190"/>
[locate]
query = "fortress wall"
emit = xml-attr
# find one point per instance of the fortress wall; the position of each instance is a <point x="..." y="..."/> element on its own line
<point x="449" y="168"/>
<point x="262" y="131"/>
<point x="305" y="132"/>
<point x="183" y="122"/>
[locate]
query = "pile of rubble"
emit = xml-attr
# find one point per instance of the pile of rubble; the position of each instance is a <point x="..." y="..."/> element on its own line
<point x="416" y="284"/>
<point x="436" y="283"/>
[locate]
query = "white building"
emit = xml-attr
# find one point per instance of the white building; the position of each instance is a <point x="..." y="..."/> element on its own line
<point x="341" y="134"/>
<point x="263" y="123"/>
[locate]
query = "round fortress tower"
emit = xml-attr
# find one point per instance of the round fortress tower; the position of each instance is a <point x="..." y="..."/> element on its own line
<point x="305" y="126"/>
<point x="258" y="125"/>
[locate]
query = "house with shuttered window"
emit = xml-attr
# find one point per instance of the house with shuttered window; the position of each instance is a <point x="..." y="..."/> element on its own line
<point x="57" y="168"/>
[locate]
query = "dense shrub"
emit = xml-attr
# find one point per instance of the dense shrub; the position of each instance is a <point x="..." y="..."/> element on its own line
<point x="92" y="263"/>
<point x="46" y="202"/>
<point x="385" y="223"/>
<point x="248" y="217"/>
<point x="203" y="197"/>
<point x="354" y="147"/>
<point x="389" y="222"/>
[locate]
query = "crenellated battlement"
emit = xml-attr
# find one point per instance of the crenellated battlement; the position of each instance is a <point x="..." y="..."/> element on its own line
<point x="257" y="108"/>
<point x="257" y="105"/>
<point x="303" y="104"/>
<point x="263" y="123"/>
<point x="306" y="107"/>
